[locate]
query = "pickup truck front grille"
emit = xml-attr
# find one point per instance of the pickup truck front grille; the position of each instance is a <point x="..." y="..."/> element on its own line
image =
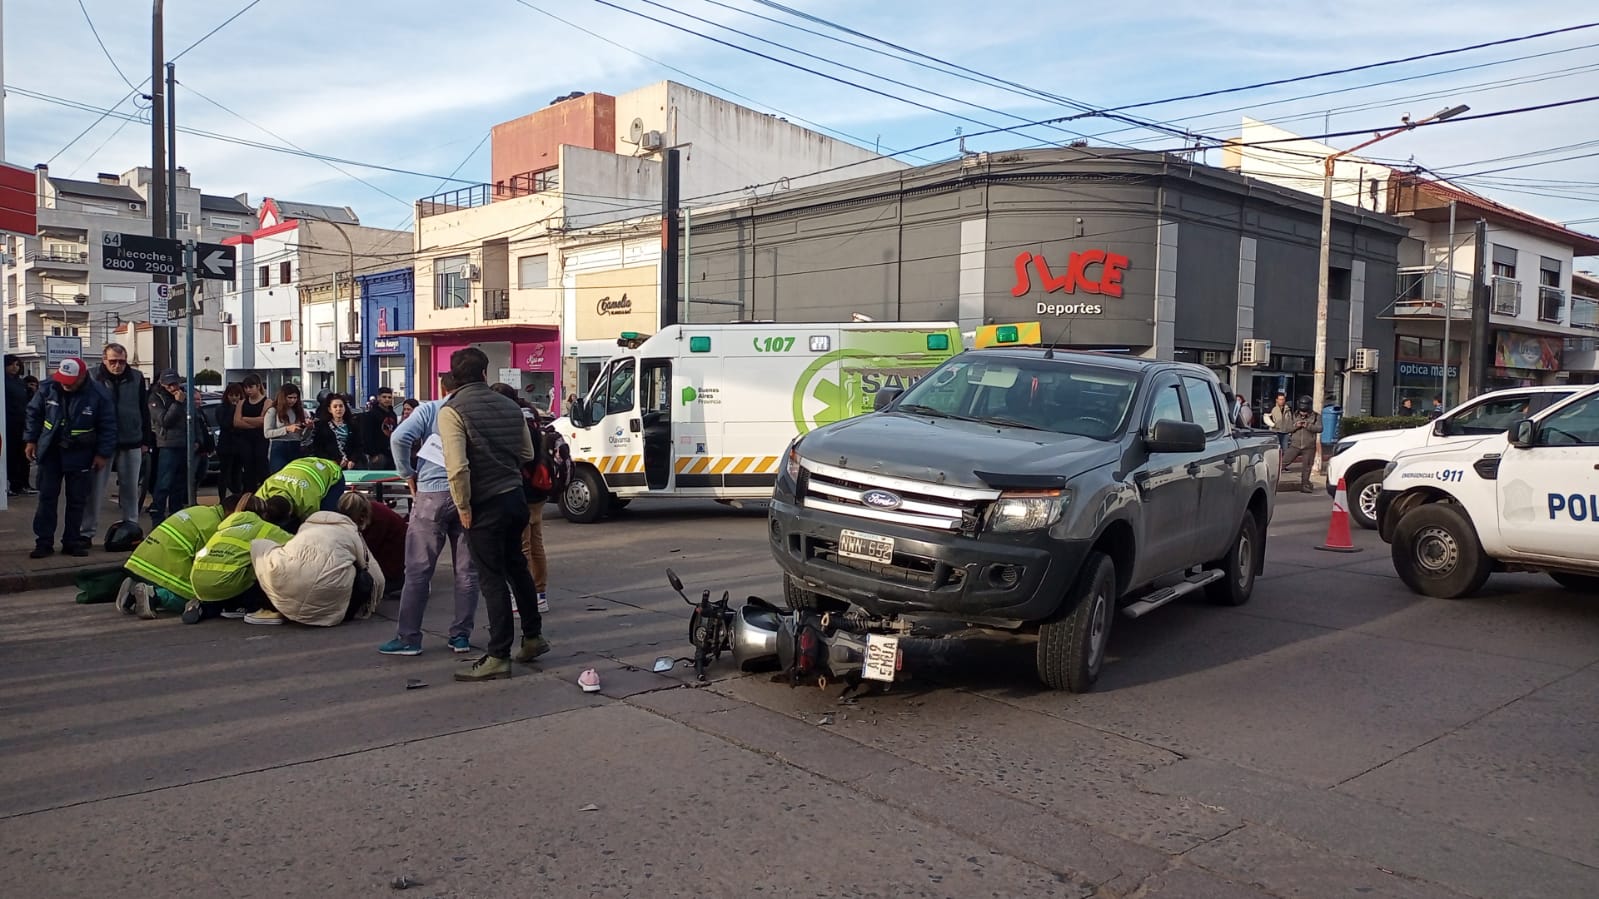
<point x="938" y="507"/>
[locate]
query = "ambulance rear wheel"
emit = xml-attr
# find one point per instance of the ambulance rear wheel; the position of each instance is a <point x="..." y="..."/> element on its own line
<point x="585" y="499"/>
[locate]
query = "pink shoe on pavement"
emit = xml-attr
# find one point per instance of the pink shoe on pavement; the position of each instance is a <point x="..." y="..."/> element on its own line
<point x="589" y="680"/>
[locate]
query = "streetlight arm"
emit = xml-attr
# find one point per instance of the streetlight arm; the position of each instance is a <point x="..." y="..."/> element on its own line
<point x="1441" y="115"/>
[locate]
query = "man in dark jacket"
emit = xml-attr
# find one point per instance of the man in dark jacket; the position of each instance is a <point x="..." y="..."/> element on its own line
<point x="168" y="404"/>
<point x="130" y="395"/>
<point x="377" y="426"/>
<point x="71" y="432"/>
<point x="16" y="423"/>
<point x="1303" y="430"/>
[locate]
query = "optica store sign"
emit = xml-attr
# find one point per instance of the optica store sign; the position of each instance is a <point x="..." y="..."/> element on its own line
<point x="1091" y="271"/>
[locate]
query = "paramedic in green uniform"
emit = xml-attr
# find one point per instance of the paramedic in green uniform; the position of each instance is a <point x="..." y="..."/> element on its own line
<point x="223" y="572"/>
<point x="160" y="568"/>
<point x="309" y="484"/>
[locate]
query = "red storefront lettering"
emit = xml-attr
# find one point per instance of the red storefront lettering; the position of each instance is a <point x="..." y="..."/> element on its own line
<point x="1077" y="275"/>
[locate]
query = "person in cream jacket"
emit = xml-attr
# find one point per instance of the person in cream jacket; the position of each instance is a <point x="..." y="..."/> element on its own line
<point x="310" y="579"/>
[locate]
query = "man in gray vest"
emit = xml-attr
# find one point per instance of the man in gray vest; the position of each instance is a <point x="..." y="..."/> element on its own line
<point x="130" y="394"/>
<point x="486" y="443"/>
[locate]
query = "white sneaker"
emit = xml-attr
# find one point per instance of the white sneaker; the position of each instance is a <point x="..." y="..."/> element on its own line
<point x="544" y="604"/>
<point x="141" y="600"/>
<point x="125" y="596"/>
<point x="264" y="616"/>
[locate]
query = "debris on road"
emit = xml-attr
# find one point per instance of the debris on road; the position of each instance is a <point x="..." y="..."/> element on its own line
<point x="404" y="883"/>
<point x="591" y="807"/>
<point x="412" y="683"/>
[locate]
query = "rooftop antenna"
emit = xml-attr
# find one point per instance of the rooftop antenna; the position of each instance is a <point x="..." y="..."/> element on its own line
<point x="1049" y="351"/>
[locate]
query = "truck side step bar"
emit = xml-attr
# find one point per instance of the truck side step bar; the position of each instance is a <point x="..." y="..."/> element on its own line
<point x="1166" y="594"/>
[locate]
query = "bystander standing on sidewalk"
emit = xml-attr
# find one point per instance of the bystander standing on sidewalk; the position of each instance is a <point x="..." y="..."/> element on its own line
<point x="130" y="396"/>
<point x="433" y="522"/>
<point x="71" y="432"/>
<point x="169" y="404"/>
<point x="16" y="422"/>
<point x="377" y="428"/>
<point x="486" y="443"/>
<point x="249" y="436"/>
<point x="1304" y="429"/>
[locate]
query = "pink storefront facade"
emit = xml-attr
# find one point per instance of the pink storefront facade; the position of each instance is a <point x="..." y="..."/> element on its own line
<point x="524" y="356"/>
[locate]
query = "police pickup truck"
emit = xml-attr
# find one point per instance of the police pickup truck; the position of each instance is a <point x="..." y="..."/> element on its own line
<point x="1027" y="490"/>
<point x="1526" y="499"/>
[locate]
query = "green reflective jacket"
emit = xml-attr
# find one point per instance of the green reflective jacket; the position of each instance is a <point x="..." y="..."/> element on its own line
<point x="166" y="557"/>
<point x="303" y="483"/>
<point x="222" y="569"/>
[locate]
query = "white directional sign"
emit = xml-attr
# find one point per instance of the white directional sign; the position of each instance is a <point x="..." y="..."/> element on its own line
<point x="213" y="262"/>
<point x="160" y="296"/>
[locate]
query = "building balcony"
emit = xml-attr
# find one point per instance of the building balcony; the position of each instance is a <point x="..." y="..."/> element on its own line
<point x="1551" y="304"/>
<point x="1585" y="313"/>
<point x="1424" y="292"/>
<point x="523" y="185"/>
<point x="58" y="298"/>
<point x="70" y="260"/>
<point x="1506" y="296"/>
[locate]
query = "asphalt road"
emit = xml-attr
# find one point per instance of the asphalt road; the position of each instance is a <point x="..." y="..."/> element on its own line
<point x="1338" y="736"/>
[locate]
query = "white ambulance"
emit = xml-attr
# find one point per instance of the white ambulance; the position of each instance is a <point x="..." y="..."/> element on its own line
<point x="706" y="410"/>
<point x="1525" y="499"/>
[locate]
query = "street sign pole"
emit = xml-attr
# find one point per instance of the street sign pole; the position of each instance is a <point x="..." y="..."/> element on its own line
<point x="189" y="263"/>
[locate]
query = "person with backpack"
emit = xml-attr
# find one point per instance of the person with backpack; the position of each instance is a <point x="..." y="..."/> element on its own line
<point x="433" y="522"/>
<point x="536" y="484"/>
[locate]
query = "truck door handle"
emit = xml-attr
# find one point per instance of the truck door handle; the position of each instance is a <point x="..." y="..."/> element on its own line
<point x="634" y="426"/>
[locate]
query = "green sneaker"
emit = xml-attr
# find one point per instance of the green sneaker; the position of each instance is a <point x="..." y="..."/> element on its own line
<point x="532" y="648"/>
<point x="486" y="668"/>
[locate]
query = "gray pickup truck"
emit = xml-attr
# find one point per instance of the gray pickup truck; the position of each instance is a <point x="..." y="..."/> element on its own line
<point x="1032" y="491"/>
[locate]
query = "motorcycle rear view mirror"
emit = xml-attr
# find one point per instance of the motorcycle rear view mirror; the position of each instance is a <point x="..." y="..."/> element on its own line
<point x="663" y="665"/>
<point x="674" y="580"/>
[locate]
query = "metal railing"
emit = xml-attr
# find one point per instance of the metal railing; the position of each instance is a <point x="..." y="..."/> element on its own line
<point x="496" y="304"/>
<point x="1423" y="290"/>
<point x="80" y="257"/>
<point x="1507" y="296"/>
<point x="522" y="185"/>
<point x="1585" y="313"/>
<point x="1551" y="303"/>
<point x="60" y="298"/>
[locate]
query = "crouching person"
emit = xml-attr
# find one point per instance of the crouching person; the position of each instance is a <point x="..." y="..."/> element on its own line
<point x="160" y="568"/>
<point x="310" y="485"/>
<point x="383" y="531"/>
<point x="323" y="575"/>
<point x="224" y="573"/>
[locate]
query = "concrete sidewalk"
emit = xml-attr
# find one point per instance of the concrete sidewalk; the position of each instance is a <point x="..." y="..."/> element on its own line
<point x="19" y="573"/>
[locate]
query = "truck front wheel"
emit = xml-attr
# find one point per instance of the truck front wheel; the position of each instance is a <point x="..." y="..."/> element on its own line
<point x="585" y="499"/>
<point x="1071" y="646"/>
<point x="1436" y="552"/>
<point x="1363" y="499"/>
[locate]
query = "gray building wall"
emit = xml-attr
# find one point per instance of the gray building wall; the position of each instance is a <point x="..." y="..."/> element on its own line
<point x="1211" y="258"/>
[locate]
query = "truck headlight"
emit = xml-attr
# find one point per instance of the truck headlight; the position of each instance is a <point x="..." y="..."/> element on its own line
<point x="1030" y="510"/>
<point x="1389" y="469"/>
<point x="792" y="461"/>
<point x="1343" y="445"/>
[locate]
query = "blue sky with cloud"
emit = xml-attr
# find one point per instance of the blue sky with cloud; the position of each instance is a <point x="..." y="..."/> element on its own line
<point x="416" y="84"/>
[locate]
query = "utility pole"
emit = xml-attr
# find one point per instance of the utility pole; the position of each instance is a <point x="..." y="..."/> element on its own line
<point x="1323" y="274"/>
<point x="172" y="189"/>
<point x="669" y="207"/>
<point x="1449" y="304"/>
<point x="193" y="467"/>
<point x="163" y="349"/>
<point x="1482" y="295"/>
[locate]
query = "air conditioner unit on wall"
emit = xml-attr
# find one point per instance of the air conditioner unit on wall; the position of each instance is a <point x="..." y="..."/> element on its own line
<point x="1365" y="360"/>
<point x="1254" y="352"/>
<point x="470" y="272"/>
<point x="653" y="140"/>
<point x="1213" y="357"/>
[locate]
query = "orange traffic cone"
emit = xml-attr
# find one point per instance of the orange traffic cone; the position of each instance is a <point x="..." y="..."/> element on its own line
<point x="1338" y="540"/>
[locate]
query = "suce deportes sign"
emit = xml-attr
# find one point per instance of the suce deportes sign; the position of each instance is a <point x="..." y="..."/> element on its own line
<point x="1081" y="270"/>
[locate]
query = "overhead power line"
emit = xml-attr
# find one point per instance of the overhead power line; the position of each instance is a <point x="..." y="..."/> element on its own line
<point x="109" y="58"/>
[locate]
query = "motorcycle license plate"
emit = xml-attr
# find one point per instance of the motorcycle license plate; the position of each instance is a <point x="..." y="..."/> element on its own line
<point x="882" y="658"/>
<point x="870" y="547"/>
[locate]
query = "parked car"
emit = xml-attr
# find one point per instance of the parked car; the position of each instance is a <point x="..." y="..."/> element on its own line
<point x="1524" y="499"/>
<point x="1027" y="490"/>
<point x="1359" y="458"/>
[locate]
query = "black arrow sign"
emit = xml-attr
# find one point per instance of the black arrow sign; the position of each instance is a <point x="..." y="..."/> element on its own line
<point x="214" y="261"/>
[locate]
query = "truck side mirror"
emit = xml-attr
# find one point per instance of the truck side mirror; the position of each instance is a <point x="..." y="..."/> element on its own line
<point x="1440" y="427"/>
<point x="1524" y="433"/>
<point x="885" y="398"/>
<point x="1169" y="436"/>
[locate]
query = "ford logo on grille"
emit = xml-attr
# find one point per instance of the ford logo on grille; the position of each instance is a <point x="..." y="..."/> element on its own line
<point x="881" y="499"/>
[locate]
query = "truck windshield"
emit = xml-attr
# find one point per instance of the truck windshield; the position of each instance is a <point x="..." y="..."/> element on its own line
<point x="1047" y="395"/>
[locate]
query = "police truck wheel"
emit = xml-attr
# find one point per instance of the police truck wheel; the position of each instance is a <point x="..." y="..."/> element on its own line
<point x="1577" y="583"/>
<point x="585" y="499"/>
<point x="1071" y="646"/>
<point x="800" y="599"/>
<point x="1363" y="499"/>
<point x="1436" y="552"/>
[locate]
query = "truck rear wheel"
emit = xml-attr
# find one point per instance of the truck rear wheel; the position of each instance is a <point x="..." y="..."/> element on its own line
<point x="1363" y="499"/>
<point x="1436" y="552"/>
<point x="1238" y="567"/>
<point x="1071" y="646"/>
<point x="1577" y="583"/>
<point x="585" y="499"/>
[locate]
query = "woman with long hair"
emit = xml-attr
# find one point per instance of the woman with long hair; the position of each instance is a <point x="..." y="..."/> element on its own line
<point x="336" y="438"/>
<point x="230" y="461"/>
<point x="282" y="424"/>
